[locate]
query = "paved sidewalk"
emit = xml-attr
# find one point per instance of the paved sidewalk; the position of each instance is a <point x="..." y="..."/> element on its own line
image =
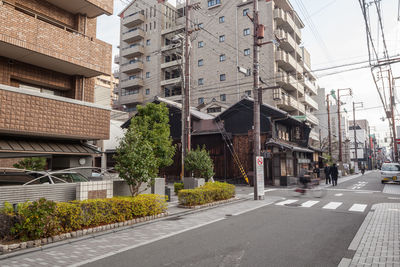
<point x="377" y="243"/>
<point x="92" y="249"/>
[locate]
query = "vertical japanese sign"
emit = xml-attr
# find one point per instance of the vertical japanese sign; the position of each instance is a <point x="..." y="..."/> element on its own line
<point x="260" y="176"/>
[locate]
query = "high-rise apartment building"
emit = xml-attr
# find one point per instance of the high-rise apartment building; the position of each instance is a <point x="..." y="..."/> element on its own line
<point x="222" y="40"/>
<point x="49" y="56"/>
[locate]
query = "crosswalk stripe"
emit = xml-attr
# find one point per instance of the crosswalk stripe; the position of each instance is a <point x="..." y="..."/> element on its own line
<point x="289" y="201"/>
<point x="309" y="203"/>
<point x="332" y="205"/>
<point x="358" y="207"/>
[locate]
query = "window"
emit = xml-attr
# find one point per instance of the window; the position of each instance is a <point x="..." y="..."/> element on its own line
<point x="200" y="62"/>
<point x="147" y="91"/>
<point x="147" y="74"/>
<point x="129" y="92"/>
<point x="222" y="58"/>
<point x="248" y="72"/>
<point x="147" y="58"/>
<point x="247" y="52"/>
<point x="245" y="11"/>
<point x="214" y="110"/>
<point x="132" y="77"/>
<point x="222" y="97"/>
<point x="246" y="31"/>
<point x="212" y="3"/>
<point x="248" y="92"/>
<point x="222" y="77"/>
<point x="200" y="100"/>
<point x="221" y="19"/>
<point x="200" y="44"/>
<point x="200" y="81"/>
<point x="148" y="42"/>
<point x="222" y="38"/>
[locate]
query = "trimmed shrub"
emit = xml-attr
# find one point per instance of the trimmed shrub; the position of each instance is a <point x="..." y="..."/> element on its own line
<point x="208" y="193"/>
<point x="178" y="187"/>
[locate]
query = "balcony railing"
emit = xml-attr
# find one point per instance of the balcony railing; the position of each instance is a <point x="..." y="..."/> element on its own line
<point x="312" y="119"/>
<point x="314" y="135"/>
<point x="171" y="81"/>
<point x="285" y="20"/>
<point x="309" y="101"/>
<point x="174" y="63"/>
<point x="34" y="43"/>
<point x="287" y="62"/>
<point x="132" y="67"/>
<point x="133" y="35"/>
<point x="131" y="83"/>
<point x="132" y="51"/>
<point x="133" y="19"/>
<point x="51" y="116"/>
<point x="311" y="86"/>
<point x="92" y="8"/>
<point x="290" y="104"/>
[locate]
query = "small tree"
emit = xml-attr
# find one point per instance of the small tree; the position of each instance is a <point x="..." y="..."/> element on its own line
<point x="33" y="164"/>
<point x="198" y="162"/>
<point x="136" y="162"/>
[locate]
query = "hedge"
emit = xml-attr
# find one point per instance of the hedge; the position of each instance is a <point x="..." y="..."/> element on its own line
<point x="45" y="218"/>
<point x="178" y="187"/>
<point x="208" y="193"/>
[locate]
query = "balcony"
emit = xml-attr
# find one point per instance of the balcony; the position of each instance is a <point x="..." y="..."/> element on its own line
<point x="133" y="20"/>
<point x="287" y="42"/>
<point x="133" y="98"/>
<point x="92" y="8"/>
<point x="290" y="104"/>
<point x="134" y="51"/>
<point x="311" y="86"/>
<point x="171" y="64"/>
<point x="177" y="28"/>
<point x="306" y="99"/>
<point x="26" y="112"/>
<point x="170" y="47"/>
<point x="171" y="81"/>
<point x="132" y="67"/>
<point x="116" y="59"/>
<point x="49" y="45"/>
<point x="314" y="135"/>
<point x="281" y="78"/>
<point x="287" y="62"/>
<point x="284" y="20"/>
<point x="131" y="83"/>
<point x="312" y="119"/>
<point x="133" y="35"/>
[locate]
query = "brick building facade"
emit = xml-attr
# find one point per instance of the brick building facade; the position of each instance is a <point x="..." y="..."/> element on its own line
<point x="49" y="58"/>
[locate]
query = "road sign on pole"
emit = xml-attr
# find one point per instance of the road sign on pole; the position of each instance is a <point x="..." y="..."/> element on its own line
<point x="260" y="177"/>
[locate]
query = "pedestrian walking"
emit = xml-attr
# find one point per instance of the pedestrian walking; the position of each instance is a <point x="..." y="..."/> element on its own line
<point x="327" y="174"/>
<point x="363" y="169"/>
<point x="334" y="174"/>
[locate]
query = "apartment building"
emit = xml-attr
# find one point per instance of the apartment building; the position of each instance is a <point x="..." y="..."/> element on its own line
<point x="105" y="90"/>
<point x="216" y="53"/>
<point x="49" y="58"/>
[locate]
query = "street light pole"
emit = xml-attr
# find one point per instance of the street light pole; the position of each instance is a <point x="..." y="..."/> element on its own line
<point x="339" y="124"/>
<point x="329" y="125"/>
<point x="355" y="137"/>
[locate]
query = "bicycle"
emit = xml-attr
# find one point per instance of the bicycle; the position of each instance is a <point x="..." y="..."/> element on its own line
<point x="313" y="187"/>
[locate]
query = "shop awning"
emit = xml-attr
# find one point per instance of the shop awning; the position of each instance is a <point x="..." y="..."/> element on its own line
<point x="43" y="147"/>
<point x="288" y="146"/>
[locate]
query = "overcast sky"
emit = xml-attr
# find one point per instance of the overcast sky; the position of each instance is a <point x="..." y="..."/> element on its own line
<point x="334" y="34"/>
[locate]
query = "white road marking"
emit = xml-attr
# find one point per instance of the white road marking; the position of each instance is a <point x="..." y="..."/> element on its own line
<point x="309" y="203"/>
<point x="358" y="207"/>
<point x="332" y="205"/>
<point x="289" y="201"/>
<point x="267" y="190"/>
<point x="338" y="195"/>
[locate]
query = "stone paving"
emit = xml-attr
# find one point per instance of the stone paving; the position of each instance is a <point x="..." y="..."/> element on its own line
<point x="92" y="249"/>
<point x="378" y="241"/>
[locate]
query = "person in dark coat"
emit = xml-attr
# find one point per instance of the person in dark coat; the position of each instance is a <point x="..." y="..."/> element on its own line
<point x="316" y="171"/>
<point x="334" y="174"/>
<point x="327" y="174"/>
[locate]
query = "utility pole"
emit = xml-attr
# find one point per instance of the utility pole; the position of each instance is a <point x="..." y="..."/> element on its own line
<point x="329" y="125"/>
<point x="339" y="125"/>
<point x="355" y="137"/>
<point x="396" y="155"/>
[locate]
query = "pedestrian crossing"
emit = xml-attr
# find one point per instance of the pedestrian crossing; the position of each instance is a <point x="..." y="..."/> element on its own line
<point x="326" y="205"/>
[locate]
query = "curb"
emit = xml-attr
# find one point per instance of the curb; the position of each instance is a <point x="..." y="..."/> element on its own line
<point x="72" y="240"/>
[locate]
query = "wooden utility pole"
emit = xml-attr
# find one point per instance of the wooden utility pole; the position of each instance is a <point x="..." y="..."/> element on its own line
<point x="329" y="125"/>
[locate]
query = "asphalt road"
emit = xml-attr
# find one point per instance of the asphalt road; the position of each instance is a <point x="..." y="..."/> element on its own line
<point x="275" y="235"/>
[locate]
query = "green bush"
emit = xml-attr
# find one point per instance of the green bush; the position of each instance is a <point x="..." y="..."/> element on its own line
<point x="210" y="192"/>
<point x="178" y="187"/>
<point x="44" y="218"/>
<point x="199" y="163"/>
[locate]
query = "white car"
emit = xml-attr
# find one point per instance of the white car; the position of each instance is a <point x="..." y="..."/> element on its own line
<point x="390" y="172"/>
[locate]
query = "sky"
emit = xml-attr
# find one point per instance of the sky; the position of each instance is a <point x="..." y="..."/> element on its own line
<point x="334" y="34"/>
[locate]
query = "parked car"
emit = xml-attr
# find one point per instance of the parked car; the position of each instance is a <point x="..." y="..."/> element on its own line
<point x="390" y="172"/>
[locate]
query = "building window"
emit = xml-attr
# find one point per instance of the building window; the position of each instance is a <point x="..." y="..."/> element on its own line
<point x="222" y="38"/>
<point x="200" y="44"/>
<point x="245" y="11"/>
<point x="147" y="58"/>
<point x="247" y="52"/>
<point x="222" y="19"/>
<point x="213" y="2"/>
<point x="222" y="97"/>
<point x="246" y="31"/>
<point x="214" y="110"/>
<point x="200" y="81"/>
<point x="200" y="100"/>
<point x="129" y="92"/>
<point x="248" y="92"/>
<point x="222" y="77"/>
<point x="148" y="42"/>
<point x="200" y="62"/>
<point x="222" y="58"/>
<point x="147" y="74"/>
<point x="248" y="72"/>
<point x="132" y="77"/>
<point x="147" y="91"/>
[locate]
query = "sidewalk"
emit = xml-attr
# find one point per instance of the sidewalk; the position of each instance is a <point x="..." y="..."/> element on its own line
<point x="377" y="242"/>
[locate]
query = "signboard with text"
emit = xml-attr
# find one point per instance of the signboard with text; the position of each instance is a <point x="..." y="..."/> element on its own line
<point x="260" y="176"/>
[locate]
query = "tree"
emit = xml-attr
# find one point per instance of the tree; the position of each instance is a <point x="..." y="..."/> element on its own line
<point x="136" y="162"/>
<point x="198" y="162"/>
<point x="33" y="164"/>
<point x="152" y="122"/>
